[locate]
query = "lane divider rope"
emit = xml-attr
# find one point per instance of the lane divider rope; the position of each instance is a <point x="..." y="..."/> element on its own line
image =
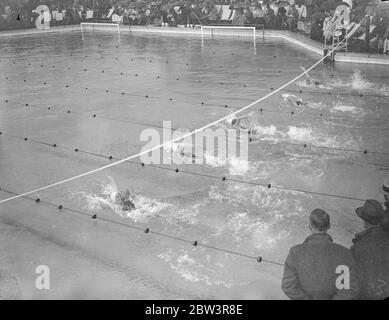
<point x="176" y="170"/>
<point x="195" y="243"/>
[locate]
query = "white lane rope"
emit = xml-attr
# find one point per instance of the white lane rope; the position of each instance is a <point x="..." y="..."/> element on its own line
<point x="166" y="144"/>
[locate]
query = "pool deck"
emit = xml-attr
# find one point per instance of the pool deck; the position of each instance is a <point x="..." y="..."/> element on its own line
<point x="296" y="39"/>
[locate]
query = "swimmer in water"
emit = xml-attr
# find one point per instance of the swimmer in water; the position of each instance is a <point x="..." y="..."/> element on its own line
<point x="309" y="81"/>
<point x="242" y="122"/>
<point x="126" y="200"/>
<point x="238" y="122"/>
<point x="182" y="149"/>
<point x="294" y="100"/>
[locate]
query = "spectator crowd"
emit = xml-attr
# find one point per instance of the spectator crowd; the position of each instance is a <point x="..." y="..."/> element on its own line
<point x="308" y="17"/>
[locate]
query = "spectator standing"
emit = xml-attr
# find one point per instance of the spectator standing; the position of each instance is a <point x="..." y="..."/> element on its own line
<point x="269" y="17"/>
<point x="211" y="14"/>
<point x="293" y="16"/>
<point x="317" y="30"/>
<point x="281" y="17"/>
<point x="141" y="17"/>
<point x="258" y="14"/>
<point x="371" y="252"/>
<point x="68" y="19"/>
<point x="249" y="15"/>
<point x="171" y="17"/>
<point x="312" y="269"/>
<point x="380" y="32"/>
<point x="386" y="41"/>
<point x="133" y="16"/>
<point x="3" y="23"/>
<point x="310" y="8"/>
<point x="182" y="15"/>
<point x="155" y="14"/>
<point x="75" y="14"/>
<point x="194" y="14"/>
<point x="46" y="19"/>
<point x="39" y="22"/>
<point x="239" y="17"/>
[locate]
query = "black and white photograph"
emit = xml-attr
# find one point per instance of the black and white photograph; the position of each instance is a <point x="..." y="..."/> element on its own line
<point x="213" y="152"/>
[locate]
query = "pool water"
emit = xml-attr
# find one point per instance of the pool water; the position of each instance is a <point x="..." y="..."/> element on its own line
<point x="188" y="83"/>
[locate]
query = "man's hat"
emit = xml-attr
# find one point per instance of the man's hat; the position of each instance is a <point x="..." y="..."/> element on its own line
<point x="371" y="212"/>
<point x="385" y="186"/>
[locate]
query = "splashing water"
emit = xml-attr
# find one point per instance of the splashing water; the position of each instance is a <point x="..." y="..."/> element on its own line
<point x="344" y="108"/>
<point x="236" y="166"/>
<point x="266" y="131"/>
<point x="260" y="228"/>
<point x="293" y="99"/>
<point x="312" y="85"/>
<point x="110" y="189"/>
<point x="272" y="201"/>
<point x="286" y="96"/>
<point x="191" y="270"/>
<point x="179" y="147"/>
<point x="299" y="134"/>
<point x="259" y="232"/>
<point x="359" y="82"/>
<point x="146" y="208"/>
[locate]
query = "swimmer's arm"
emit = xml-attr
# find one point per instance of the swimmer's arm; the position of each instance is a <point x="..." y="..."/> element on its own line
<point x="133" y="194"/>
<point x="306" y="73"/>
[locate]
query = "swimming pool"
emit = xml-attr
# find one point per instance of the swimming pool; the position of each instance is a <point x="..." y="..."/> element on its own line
<point x="98" y="95"/>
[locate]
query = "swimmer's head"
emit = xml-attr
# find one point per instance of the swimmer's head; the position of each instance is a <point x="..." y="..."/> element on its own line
<point x="232" y="120"/>
<point x="118" y="197"/>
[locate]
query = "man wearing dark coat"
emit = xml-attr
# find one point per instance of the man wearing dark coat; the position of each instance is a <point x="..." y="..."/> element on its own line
<point x="371" y="252"/>
<point x="319" y="269"/>
<point x="385" y="189"/>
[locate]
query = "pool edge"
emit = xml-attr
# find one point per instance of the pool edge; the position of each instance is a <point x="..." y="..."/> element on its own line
<point x="296" y="39"/>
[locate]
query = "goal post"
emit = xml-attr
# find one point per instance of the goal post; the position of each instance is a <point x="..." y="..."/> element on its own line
<point x="229" y="32"/>
<point x="94" y="26"/>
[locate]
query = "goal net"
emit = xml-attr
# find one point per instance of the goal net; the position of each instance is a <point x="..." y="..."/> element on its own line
<point x="217" y="32"/>
<point x="99" y="27"/>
